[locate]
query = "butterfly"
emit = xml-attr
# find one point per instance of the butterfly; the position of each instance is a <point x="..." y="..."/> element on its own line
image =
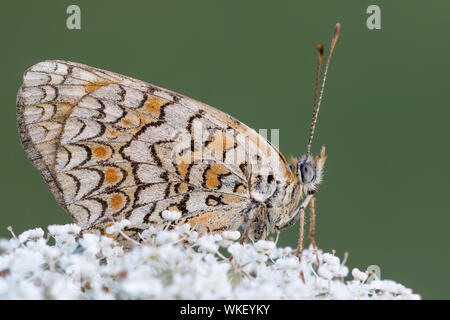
<point x="111" y="146"/>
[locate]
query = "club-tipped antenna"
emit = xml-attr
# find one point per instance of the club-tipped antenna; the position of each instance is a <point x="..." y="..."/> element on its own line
<point x="317" y="101"/>
<point x="316" y="96"/>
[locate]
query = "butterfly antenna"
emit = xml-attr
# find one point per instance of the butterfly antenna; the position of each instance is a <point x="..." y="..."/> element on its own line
<point x="316" y="95"/>
<point x="317" y="101"/>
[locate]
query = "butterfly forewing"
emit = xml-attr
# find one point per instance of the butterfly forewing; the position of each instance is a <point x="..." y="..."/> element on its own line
<point x="107" y="145"/>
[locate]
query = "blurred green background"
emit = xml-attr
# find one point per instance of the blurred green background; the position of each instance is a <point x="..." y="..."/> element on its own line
<point x="384" y="119"/>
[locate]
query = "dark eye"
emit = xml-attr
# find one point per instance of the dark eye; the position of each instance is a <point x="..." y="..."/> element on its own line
<point x="306" y="172"/>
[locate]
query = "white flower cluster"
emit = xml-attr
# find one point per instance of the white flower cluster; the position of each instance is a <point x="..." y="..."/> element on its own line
<point x="175" y="264"/>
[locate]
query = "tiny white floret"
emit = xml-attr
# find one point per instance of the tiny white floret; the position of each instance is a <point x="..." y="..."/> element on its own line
<point x="171" y="215"/>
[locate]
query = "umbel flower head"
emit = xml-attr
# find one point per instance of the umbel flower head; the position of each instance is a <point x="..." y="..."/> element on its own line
<point x="175" y="264"/>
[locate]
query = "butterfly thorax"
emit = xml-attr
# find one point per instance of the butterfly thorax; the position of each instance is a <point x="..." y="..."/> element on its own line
<point x="275" y="195"/>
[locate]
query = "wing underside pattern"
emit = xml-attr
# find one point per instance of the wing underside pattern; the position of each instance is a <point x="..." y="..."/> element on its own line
<point x="109" y="145"/>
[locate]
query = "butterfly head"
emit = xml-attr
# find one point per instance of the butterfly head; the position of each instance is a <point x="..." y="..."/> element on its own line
<point x="309" y="171"/>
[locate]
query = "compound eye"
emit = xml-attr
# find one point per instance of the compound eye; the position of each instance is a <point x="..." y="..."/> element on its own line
<point x="306" y="172"/>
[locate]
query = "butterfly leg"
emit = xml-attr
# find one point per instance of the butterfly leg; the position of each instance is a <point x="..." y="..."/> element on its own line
<point x="312" y="227"/>
<point x="312" y="222"/>
<point x="261" y="210"/>
<point x="300" y="237"/>
<point x="302" y="225"/>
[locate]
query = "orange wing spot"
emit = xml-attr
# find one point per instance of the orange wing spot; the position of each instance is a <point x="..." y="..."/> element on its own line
<point x="182" y="168"/>
<point x="100" y="152"/>
<point x="229" y="199"/>
<point x="153" y="106"/>
<point x="112" y="134"/>
<point x="218" y="169"/>
<point x="202" y="218"/>
<point x="184" y="187"/>
<point x="126" y="122"/>
<point x="220" y="142"/>
<point x="91" y="86"/>
<point x="112" y="175"/>
<point x="134" y="119"/>
<point x="184" y="160"/>
<point x="212" y="202"/>
<point x="117" y="201"/>
<point x="66" y="108"/>
<point x="241" y="189"/>
<point x="173" y="208"/>
<point x="212" y="179"/>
